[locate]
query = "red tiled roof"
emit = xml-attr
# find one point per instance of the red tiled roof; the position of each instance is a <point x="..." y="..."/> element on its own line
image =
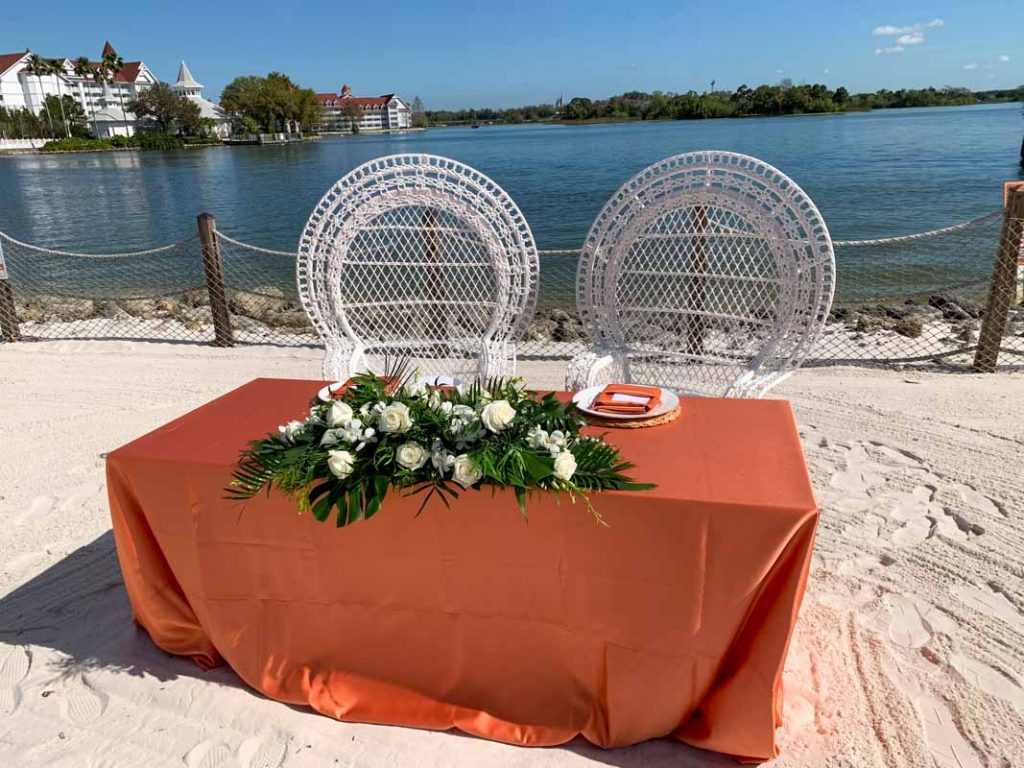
<point x="128" y="74"/>
<point x="371" y="102"/>
<point x="8" y="60"/>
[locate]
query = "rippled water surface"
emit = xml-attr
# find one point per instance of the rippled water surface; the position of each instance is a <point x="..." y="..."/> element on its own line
<point x="871" y="174"/>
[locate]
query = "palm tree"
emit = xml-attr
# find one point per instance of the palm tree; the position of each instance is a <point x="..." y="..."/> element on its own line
<point x="102" y="76"/>
<point x="113" y="64"/>
<point x="83" y="68"/>
<point x="56" y="68"/>
<point x="38" y="66"/>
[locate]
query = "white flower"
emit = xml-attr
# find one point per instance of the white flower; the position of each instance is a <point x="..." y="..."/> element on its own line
<point x="411" y="455"/>
<point x="340" y="463"/>
<point x="465" y="471"/>
<point x="538" y="438"/>
<point x="497" y="415"/>
<point x="441" y="458"/>
<point x="565" y="465"/>
<point x="416" y="389"/>
<point x="291" y="430"/>
<point x="557" y="442"/>
<point x="463" y="412"/>
<point x="340" y="413"/>
<point x="395" y="418"/>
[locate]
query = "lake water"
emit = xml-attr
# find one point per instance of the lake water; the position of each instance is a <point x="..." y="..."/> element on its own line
<point x="871" y="174"/>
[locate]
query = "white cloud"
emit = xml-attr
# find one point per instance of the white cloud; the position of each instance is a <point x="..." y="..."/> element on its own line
<point x="972" y="65"/>
<point x="908" y="35"/>
<point x="826" y="71"/>
<point x="1003" y="59"/>
<point x="889" y="30"/>
<point x="911" y="38"/>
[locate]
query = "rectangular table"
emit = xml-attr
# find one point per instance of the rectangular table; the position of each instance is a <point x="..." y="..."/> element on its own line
<point x="673" y="620"/>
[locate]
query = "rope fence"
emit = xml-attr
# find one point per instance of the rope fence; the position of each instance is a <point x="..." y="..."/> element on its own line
<point x="923" y="298"/>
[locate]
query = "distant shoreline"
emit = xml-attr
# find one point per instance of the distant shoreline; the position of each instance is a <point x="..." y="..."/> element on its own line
<point x="611" y="120"/>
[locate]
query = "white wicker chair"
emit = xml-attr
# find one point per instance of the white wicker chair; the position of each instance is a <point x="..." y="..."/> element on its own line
<point x="709" y="273"/>
<point x="422" y="258"/>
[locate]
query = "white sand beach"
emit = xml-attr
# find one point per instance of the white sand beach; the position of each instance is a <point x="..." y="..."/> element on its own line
<point x="909" y="650"/>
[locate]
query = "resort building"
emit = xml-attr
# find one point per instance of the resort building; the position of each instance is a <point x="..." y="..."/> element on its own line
<point x="376" y="113"/>
<point x="187" y="86"/>
<point x="103" y="102"/>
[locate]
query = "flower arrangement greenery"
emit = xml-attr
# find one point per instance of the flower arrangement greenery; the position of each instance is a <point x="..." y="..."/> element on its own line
<point x="383" y="432"/>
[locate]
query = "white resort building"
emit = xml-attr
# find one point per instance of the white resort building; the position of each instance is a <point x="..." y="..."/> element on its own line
<point x="187" y="86"/>
<point x="103" y="102"/>
<point x="378" y="113"/>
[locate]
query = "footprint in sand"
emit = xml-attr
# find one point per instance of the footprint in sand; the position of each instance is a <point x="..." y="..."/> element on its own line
<point x="990" y="602"/>
<point x="906" y="626"/>
<point x="40" y="508"/>
<point x="948" y="747"/>
<point x="917" y="503"/>
<point x="81" y="704"/>
<point x="897" y="456"/>
<point x="15" y="662"/>
<point x="991" y="681"/>
<point x="979" y="502"/>
<point x="913" y="532"/>
<point x="262" y="752"/>
<point x="211" y="754"/>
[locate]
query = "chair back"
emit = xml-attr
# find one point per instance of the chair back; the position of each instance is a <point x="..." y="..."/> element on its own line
<point x="710" y="273"/>
<point x="418" y="257"/>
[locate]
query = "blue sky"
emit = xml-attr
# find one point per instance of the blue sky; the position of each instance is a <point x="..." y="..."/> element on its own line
<point x="455" y="53"/>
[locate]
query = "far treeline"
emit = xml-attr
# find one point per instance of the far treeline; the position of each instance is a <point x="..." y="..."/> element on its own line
<point x="781" y="99"/>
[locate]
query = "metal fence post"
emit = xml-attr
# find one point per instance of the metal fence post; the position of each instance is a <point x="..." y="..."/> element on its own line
<point x="1003" y="286"/>
<point x="215" y="286"/>
<point x="8" y="314"/>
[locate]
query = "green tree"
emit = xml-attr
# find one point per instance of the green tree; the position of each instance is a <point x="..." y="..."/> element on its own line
<point x="56" y="68"/>
<point x="111" y="66"/>
<point x="419" y="115"/>
<point x="166" y="109"/>
<point x="270" y="101"/>
<point x="841" y="96"/>
<point x="84" y="68"/>
<point x="39" y="66"/>
<point x="354" y="113"/>
<point x="579" y="108"/>
<point x="74" y="116"/>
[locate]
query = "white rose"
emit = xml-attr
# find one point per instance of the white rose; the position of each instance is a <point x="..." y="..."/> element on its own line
<point x="538" y="438"/>
<point x="411" y="455"/>
<point x="291" y="430"/>
<point x="565" y="465"/>
<point x="498" y="415"/>
<point x="340" y="463"/>
<point x="465" y="471"/>
<point x="340" y="413"/>
<point x="395" y="418"/>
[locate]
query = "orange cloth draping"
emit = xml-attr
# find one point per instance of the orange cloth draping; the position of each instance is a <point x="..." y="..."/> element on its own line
<point x="672" y="620"/>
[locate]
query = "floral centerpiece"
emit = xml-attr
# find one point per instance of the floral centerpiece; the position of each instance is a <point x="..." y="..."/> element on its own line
<point x="387" y="432"/>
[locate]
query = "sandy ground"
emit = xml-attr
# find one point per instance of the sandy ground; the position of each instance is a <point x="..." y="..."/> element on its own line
<point x="909" y="652"/>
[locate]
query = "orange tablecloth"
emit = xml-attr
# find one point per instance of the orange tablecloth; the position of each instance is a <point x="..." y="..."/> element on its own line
<point x="673" y="620"/>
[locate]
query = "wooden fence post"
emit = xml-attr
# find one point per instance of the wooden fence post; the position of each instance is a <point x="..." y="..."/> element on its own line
<point x="215" y="281"/>
<point x="1002" y="289"/>
<point x="8" y="314"/>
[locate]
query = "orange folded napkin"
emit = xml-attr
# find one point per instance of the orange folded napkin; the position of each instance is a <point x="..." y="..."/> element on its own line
<point x="391" y="384"/>
<point x="627" y="399"/>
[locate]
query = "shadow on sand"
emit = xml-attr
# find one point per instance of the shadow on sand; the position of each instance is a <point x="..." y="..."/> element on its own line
<point x="79" y="608"/>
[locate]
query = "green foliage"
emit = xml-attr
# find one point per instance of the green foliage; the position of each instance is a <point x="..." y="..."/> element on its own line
<point x="268" y="102"/>
<point x="166" y="111"/>
<point x="157" y="141"/>
<point x="783" y="98"/>
<point x="71" y="114"/>
<point x="459" y="444"/>
<point x="419" y="114"/>
<point x="76" y="145"/>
